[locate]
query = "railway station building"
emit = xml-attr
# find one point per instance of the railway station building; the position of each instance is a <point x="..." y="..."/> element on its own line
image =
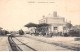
<point x="57" y="24"/>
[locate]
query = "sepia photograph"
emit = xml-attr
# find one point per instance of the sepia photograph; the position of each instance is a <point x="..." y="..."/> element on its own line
<point x="39" y="25"/>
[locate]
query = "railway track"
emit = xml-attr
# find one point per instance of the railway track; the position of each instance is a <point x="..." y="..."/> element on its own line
<point x="58" y="44"/>
<point x="19" y="47"/>
<point x="14" y="46"/>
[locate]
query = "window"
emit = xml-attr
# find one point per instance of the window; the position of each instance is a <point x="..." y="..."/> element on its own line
<point x="55" y="28"/>
<point x="64" y="28"/>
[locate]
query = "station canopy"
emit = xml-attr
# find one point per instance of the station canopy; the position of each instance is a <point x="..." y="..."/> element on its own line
<point x="36" y="25"/>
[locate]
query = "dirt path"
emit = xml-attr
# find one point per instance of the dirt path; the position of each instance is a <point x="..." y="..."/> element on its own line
<point x="4" y="46"/>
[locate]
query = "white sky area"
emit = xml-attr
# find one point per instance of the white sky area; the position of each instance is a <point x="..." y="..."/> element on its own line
<point x="14" y="14"/>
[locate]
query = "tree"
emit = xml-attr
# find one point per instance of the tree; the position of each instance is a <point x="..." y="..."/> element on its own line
<point x="21" y="32"/>
<point x="1" y="28"/>
<point x="43" y="28"/>
<point x="69" y="25"/>
<point x="7" y="32"/>
<point x="4" y="32"/>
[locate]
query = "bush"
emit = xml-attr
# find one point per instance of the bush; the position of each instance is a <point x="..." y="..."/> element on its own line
<point x="74" y="33"/>
<point x="66" y="35"/>
<point x="77" y="39"/>
<point x="36" y="34"/>
<point x="3" y="32"/>
<point x="43" y="34"/>
<point x="49" y="35"/>
<point x="21" y="32"/>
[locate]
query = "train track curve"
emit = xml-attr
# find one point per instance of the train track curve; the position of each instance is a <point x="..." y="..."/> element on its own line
<point x="15" y="47"/>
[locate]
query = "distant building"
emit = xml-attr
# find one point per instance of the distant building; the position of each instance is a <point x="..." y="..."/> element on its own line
<point x="57" y="24"/>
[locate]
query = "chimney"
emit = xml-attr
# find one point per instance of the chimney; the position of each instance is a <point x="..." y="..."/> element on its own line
<point x="55" y="14"/>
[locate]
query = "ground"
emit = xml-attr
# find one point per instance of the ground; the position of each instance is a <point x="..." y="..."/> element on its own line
<point x="29" y="42"/>
<point x="41" y="43"/>
<point x="4" y="46"/>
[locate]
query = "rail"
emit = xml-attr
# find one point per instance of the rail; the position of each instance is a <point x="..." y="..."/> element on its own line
<point x="13" y="45"/>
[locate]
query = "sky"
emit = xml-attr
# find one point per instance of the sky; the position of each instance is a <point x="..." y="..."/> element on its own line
<point x="14" y="14"/>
